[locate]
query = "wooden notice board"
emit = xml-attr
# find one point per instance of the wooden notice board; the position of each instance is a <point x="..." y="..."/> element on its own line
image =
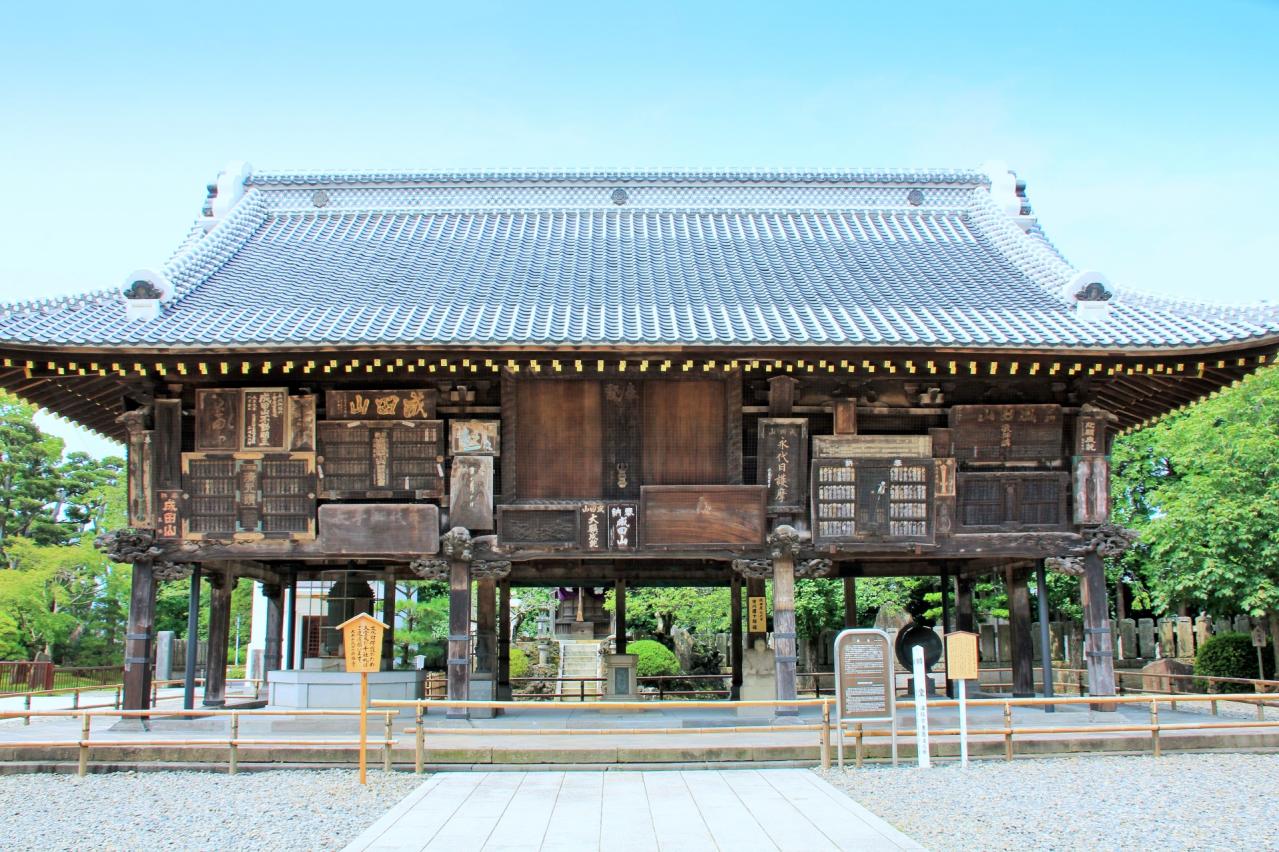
<point x="702" y="516"/>
<point x="961" y="655"/>
<point x="756" y="615"/>
<point x="362" y="643"/>
<point x="864" y="676"/>
<point x="783" y="462"/>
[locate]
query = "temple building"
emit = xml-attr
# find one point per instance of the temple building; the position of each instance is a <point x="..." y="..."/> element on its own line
<point x="591" y="380"/>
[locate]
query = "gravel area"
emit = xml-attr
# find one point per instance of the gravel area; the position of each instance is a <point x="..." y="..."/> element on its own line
<point x="277" y="810"/>
<point x="1184" y="801"/>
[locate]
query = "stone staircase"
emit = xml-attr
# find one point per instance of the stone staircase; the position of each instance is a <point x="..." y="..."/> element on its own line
<point x="579" y="659"/>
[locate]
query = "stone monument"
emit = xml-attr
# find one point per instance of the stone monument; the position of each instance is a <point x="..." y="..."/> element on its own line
<point x="759" y="679"/>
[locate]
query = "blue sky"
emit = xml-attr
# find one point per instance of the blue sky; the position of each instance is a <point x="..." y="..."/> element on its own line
<point x="1147" y="132"/>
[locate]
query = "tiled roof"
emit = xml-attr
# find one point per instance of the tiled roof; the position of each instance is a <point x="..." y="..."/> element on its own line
<point x="855" y="259"/>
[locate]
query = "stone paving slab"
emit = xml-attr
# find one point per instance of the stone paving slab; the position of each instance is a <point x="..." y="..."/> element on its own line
<point x="771" y="809"/>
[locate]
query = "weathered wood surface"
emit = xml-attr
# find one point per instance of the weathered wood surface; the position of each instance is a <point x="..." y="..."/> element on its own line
<point x="253" y="494"/>
<point x="728" y="515"/>
<point x="302" y="420"/>
<point x="871" y="499"/>
<point x="217" y="419"/>
<point x="471" y="493"/>
<point x="685" y="442"/>
<point x="559" y="439"/>
<point x="984" y="433"/>
<point x="544" y="525"/>
<point x="783" y="463"/>
<point x="379" y="529"/>
<point x="844" y="412"/>
<point x="381" y="459"/>
<point x="871" y="446"/>
<point x="1013" y="501"/>
<point x="380" y="404"/>
<point x="166" y="442"/>
<point x="622" y="440"/>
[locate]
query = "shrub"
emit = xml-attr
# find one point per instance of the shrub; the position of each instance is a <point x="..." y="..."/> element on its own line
<point x="1231" y="655"/>
<point x="519" y="662"/>
<point x="654" y="658"/>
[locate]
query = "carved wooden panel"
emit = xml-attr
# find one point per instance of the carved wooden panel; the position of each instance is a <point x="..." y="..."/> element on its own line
<point x="609" y="526"/>
<point x="559" y="438"/>
<point x="1006" y="432"/>
<point x="872" y="446"/>
<point x="845" y="416"/>
<point x="703" y="516"/>
<point x="622" y="440"/>
<point x="1090" y="434"/>
<point x="474" y="437"/>
<point x="541" y="525"/>
<point x="471" y="493"/>
<point x="414" y="404"/>
<point x="380" y="529"/>
<point x="873" y="500"/>
<point x="684" y="432"/>
<point x="248" y="495"/>
<point x="141" y="479"/>
<point x="370" y="458"/>
<point x="265" y="418"/>
<point x="783" y="463"/>
<point x="302" y="419"/>
<point x="217" y="419"/>
<point x="168" y="521"/>
<point x="1011" y="501"/>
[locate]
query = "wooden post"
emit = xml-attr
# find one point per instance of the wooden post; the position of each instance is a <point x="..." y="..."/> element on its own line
<point x="619" y="615"/>
<point x="945" y="623"/>
<point x="1045" y="635"/>
<point x="388" y="618"/>
<point x="850" y="602"/>
<point x="486" y="627"/>
<point x="83" y="766"/>
<point x="193" y="642"/>
<point x="504" y="640"/>
<point x="735" y="635"/>
<point x="364" y="726"/>
<point x="781" y="396"/>
<point x="784" y="629"/>
<point x="964" y="604"/>
<point x="1097" y="645"/>
<point x="274" y="623"/>
<point x="459" y="659"/>
<point x="138" y="636"/>
<point x="419" y="739"/>
<point x="1019" y="626"/>
<point x="220" y="589"/>
<point x="825" y="748"/>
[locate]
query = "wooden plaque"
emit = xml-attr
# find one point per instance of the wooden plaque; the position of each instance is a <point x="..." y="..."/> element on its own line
<point x="756" y="615"/>
<point x="418" y="404"/>
<point x="609" y="526"/>
<point x="871" y="446"/>
<point x="677" y="516"/>
<point x="873" y="500"/>
<point x="961" y="655"/>
<point x="248" y="495"/>
<point x="1092" y="490"/>
<point x="302" y="424"/>
<point x="474" y="437"/>
<point x="217" y="420"/>
<point x="406" y="530"/>
<point x="864" y="676"/>
<point x="265" y="416"/>
<point x="992" y="433"/>
<point x="1090" y="434"/>
<point x="783" y="463"/>
<point x="141" y="480"/>
<point x="381" y="459"/>
<point x="539" y="525"/>
<point x="169" y="513"/>
<point x="996" y="502"/>
<point x="471" y="493"/>
<point x="362" y="643"/>
<point x="845" y="416"/>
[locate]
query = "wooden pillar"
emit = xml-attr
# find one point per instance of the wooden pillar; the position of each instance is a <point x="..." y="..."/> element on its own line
<point x="504" y="640"/>
<point x="964" y="604"/>
<point x="220" y="588"/>
<point x="784" y="628"/>
<point x="581" y="604"/>
<point x="735" y="635"/>
<point x="138" y="637"/>
<point x="486" y="627"/>
<point x="850" y="602"/>
<point x="1019" y="626"/>
<point x="619" y="615"/>
<point x="1097" y="638"/>
<point x="291" y="622"/>
<point x="755" y="589"/>
<point x="945" y="601"/>
<point x="193" y="642"/>
<point x="459" y="659"/>
<point x="388" y="618"/>
<point x="274" y="624"/>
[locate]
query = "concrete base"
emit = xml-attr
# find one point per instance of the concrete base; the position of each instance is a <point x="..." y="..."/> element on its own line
<point x="483" y="688"/>
<point x="759" y="681"/>
<point x="302" y="690"/>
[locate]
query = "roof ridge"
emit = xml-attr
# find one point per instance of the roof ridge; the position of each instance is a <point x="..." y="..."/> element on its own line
<point x="515" y="175"/>
<point x="1032" y="254"/>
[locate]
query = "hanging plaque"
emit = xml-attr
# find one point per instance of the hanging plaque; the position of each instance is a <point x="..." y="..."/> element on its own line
<point x="783" y="462"/>
<point x="380" y="459"/>
<point x="1006" y="432"/>
<point x="872" y="500"/>
<point x="872" y="446"/>
<point x="609" y="526"/>
<point x="217" y="419"/>
<point x="302" y="424"/>
<point x="248" y="496"/>
<point x="416" y="404"/>
<point x="539" y="525"/>
<point x="169" y="514"/>
<point x="265" y="418"/>
<point x="471" y="493"/>
<point x="474" y="437"/>
<point x="756" y="615"/>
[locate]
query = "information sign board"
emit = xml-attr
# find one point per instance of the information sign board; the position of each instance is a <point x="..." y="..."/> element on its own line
<point x="864" y="676"/>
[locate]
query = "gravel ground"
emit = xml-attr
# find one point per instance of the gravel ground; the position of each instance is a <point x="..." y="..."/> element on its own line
<point x="1184" y="801"/>
<point x="277" y="810"/>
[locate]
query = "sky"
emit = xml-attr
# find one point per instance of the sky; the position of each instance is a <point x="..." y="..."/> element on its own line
<point x="1147" y="132"/>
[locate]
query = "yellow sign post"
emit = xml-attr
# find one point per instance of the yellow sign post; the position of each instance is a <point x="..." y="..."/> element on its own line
<point x="961" y="666"/>
<point x="362" y="642"/>
<point x="757" y="615"/>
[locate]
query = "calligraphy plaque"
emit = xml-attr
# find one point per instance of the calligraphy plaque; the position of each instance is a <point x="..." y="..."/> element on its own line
<point x="381" y="459"/>
<point x="961" y="655"/>
<point x="1001" y="501"/>
<point x="991" y="433"/>
<point x="678" y="516"/>
<point x="265" y="419"/>
<point x="756" y="615"/>
<point x="609" y="526"/>
<point x="217" y="420"/>
<point x="362" y="643"/>
<point x="783" y="463"/>
<point x="302" y="424"/>
<point x="872" y="446"/>
<point x="417" y="404"/>
<point x="872" y="500"/>
<point x="169" y="513"/>
<point x="549" y="525"/>
<point x="471" y="493"/>
<point x="248" y="496"/>
<point x="594" y="526"/>
<point x="864" y="676"/>
<point x="1090" y="433"/>
<point x="474" y="437"/>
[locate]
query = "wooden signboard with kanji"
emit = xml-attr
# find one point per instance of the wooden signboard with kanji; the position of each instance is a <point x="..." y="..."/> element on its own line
<point x="362" y="643"/>
<point x="416" y="404"/>
<point x="783" y="463"/>
<point x="961" y="655"/>
<point x="381" y="459"/>
<point x="998" y="433"/>
<point x="265" y="419"/>
<point x="873" y="500"/>
<point x="757" y="615"/>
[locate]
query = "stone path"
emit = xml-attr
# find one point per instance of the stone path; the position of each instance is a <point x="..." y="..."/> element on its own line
<point x="773" y="809"/>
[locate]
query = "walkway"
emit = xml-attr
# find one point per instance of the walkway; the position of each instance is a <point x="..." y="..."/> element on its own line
<point x="775" y="809"/>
